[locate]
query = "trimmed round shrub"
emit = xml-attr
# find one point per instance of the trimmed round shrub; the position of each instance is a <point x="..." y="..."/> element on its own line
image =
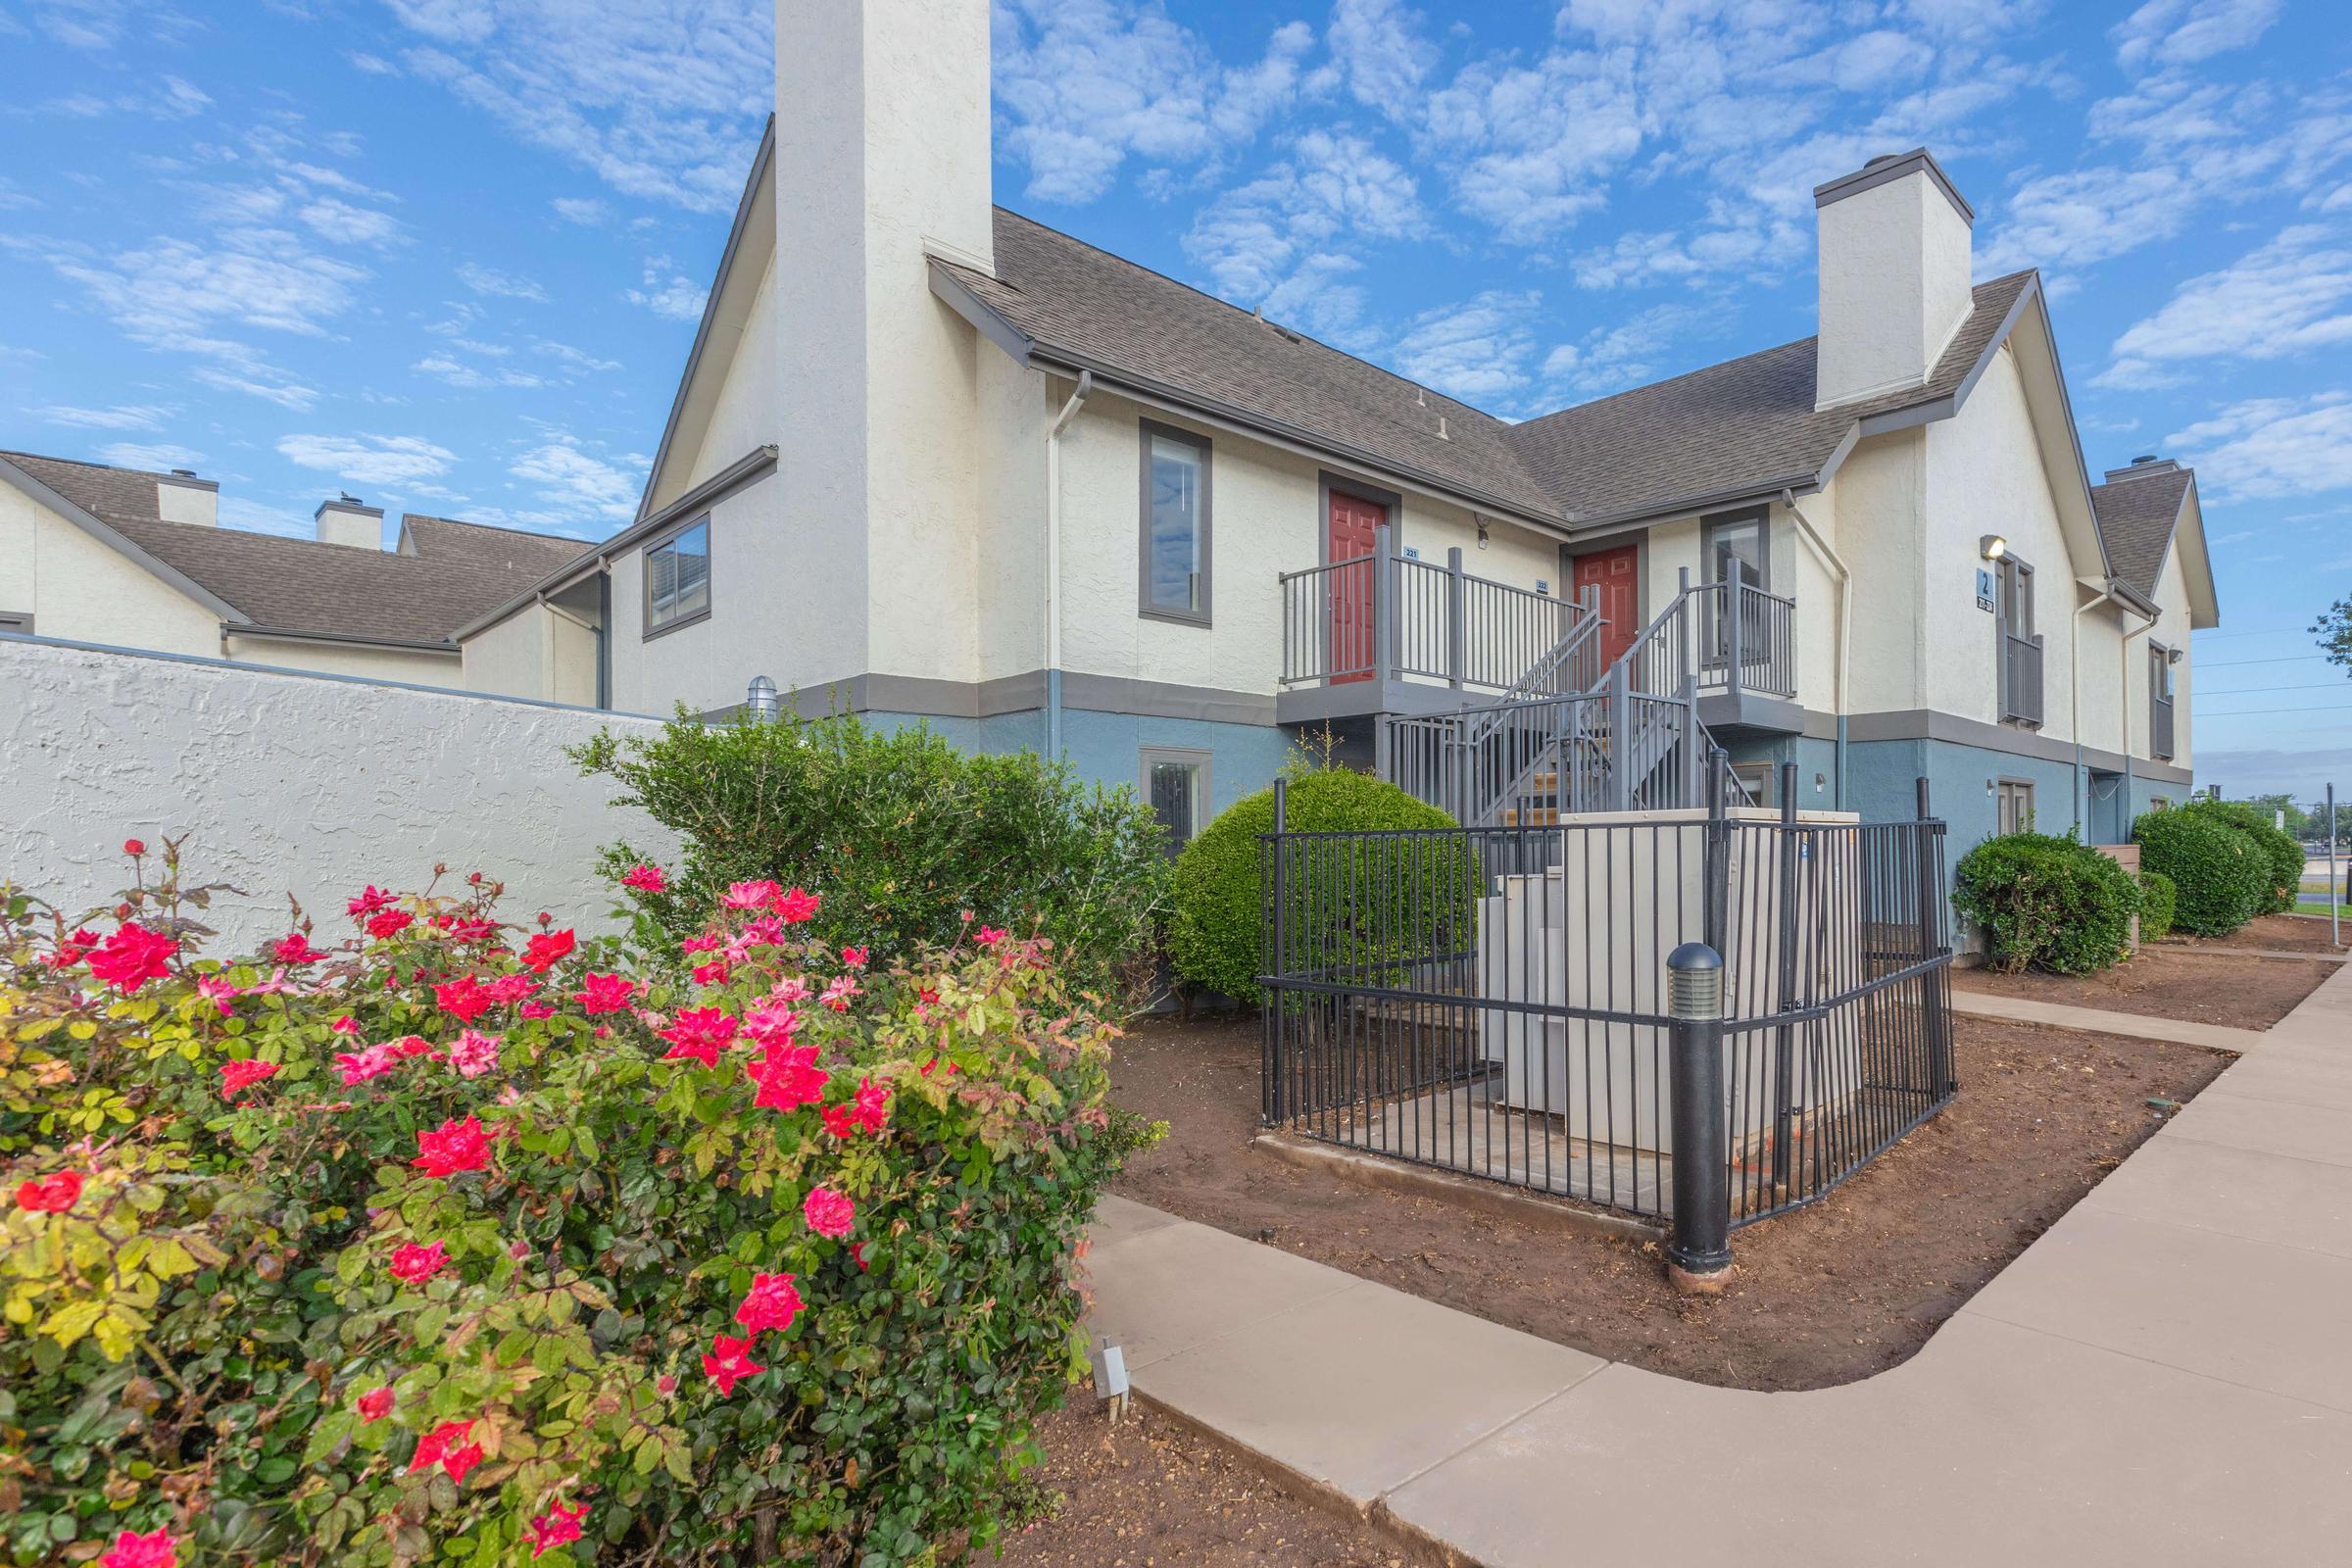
<point x="1416" y="890"/>
<point x="2282" y="850"/>
<point x="904" y="833"/>
<point x="2221" y="877"/>
<point x="443" y="1241"/>
<point x="2157" y="897"/>
<point x="2048" y="902"/>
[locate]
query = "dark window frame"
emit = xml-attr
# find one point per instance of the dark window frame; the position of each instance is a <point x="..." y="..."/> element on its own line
<point x="1203" y="813"/>
<point x="2162" y="694"/>
<point x="1709" y="527"/>
<point x="645" y="567"/>
<point x="1148" y="431"/>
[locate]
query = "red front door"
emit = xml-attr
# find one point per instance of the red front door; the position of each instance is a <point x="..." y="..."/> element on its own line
<point x="1617" y="575"/>
<point x="1354" y="641"/>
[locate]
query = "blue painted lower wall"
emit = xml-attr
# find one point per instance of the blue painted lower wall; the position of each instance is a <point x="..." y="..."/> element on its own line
<point x="1108" y="747"/>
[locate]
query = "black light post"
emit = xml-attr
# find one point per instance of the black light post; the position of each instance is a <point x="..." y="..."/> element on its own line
<point x="1699" y="1256"/>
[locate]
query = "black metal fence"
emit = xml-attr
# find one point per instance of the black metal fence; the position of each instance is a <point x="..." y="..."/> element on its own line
<point x="1493" y="1000"/>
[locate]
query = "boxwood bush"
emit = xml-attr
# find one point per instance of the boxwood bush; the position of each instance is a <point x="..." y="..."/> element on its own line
<point x="2221" y="877"/>
<point x="446" y="1242"/>
<point x="2282" y="850"/>
<point x="2157" y="897"/>
<point x="1401" y="899"/>
<point x="2048" y="902"/>
<point x="902" y="832"/>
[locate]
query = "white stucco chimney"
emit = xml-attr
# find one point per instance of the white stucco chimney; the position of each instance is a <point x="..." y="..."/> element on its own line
<point x="1894" y="276"/>
<point x="347" y="520"/>
<point x="182" y="497"/>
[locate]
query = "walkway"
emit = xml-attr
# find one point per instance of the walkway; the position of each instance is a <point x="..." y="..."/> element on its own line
<point x="2180" y="1031"/>
<point x="2164" y="1378"/>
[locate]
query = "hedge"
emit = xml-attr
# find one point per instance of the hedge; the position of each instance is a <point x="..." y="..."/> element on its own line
<point x="901" y="833"/>
<point x="2157" y="898"/>
<point x="444" y="1241"/>
<point x="2222" y="877"/>
<point x="1413" y="891"/>
<point x="2282" y="850"/>
<point x="2048" y="902"/>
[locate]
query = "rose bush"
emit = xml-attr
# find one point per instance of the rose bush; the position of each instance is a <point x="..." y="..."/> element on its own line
<point x="441" y="1239"/>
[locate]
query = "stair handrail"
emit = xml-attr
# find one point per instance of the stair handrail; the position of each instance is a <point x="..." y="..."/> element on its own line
<point x="1585" y="627"/>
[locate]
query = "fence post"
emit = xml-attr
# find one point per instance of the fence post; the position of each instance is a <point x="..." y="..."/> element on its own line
<point x="1732" y="618"/>
<point x="1274" y="930"/>
<point x="1783" y="1066"/>
<point x="1621" y="739"/>
<point x="1384" y="601"/>
<point x="1715" y="896"/>
<point x="1931" y="900"/>
<point x="1699" y="1256"/>
<point x="1688" y="640"/>
<point x="1457" y="623"/>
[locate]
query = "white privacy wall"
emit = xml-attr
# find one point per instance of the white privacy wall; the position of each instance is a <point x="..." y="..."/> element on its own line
<point x="294" y="783"/>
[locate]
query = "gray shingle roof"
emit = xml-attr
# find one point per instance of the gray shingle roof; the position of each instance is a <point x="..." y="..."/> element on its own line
<point x="460" y="570"/>
<point x="1746" y="425"/>
<point x="2137" y="511"/>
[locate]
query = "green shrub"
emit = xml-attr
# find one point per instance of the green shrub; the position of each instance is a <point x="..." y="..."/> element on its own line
<point x="2046" y="903"/>
<point x="2221" y="877"/>
<point x="2281" y="852"/>
<point x="1386" y="901"/>
<point x="2157" y="897"/>
<point x="904" y="836"/>
<point x="422" y="1248"/>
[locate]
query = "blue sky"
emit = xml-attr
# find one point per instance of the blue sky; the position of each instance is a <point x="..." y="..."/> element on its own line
<point x="448" y="254"/>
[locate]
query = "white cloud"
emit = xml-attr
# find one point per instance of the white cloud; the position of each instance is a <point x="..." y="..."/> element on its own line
<point x="1085" y="85"/>
<point x="332" y="218"/>
<point x="1476" y="350"/>
<point x="254" y="517"/>
<point x="577" y="483"/>
<point x="2085" y="215"/>
<point x="2265" y="448"/>
<point x="158" y="457"/>
<point x="1282" y="241"/>
<point x="2180" y="32"/>
<point x="669" y="292"/>
<point x="1377" y="46"/>
<point x="122" y="416"/>
<point x="2291" y="296"/>
<point x="506" y="285"/>
<point x="368" y="458"/>
<point x="657" y="100"/>
<point x="457" y="373"/>
<point x="179" y="99"/>
<point x="372" y="64"/>
<point x="586" y="210"/>
<point x="1612" y="358"/>
<point x="573" y="359"/>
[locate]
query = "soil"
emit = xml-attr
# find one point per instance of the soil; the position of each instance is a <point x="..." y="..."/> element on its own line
<point x="1151" y="1493"/>
<point x="2196" y="981"/>
<point x="2279" y="933"/>
<point x="1819" y="1297"/>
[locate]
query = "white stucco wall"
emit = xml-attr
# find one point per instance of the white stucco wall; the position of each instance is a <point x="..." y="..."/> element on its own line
<point x="772" y="615"/>
<point x="293" y="783"/>
<point x="417" y="666"/>
<point x="747" y="411"/>
<point x="79" y="588"/>
<point x="1016" y="407"/>
<point x="1879" y="535"/>
<point x="1894" y="286"/>
<point x="509" y="657"/>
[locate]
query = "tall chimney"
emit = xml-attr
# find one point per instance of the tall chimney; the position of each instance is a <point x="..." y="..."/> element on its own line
<point x="349" y="521"/>
<point x="182" y="497"/>
<point x="1894" y="276"/>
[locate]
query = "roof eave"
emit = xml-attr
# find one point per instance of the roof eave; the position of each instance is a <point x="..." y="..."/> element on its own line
<point x="304" y="634"/>
<point x="114" y="539"/>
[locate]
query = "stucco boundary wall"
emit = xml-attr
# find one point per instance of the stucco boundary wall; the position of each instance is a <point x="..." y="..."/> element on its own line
<point x="290" y="782"/>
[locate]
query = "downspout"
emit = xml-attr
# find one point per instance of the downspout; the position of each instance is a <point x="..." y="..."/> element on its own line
<point x="2074" y="657"/>
<point x="1061" y="422"/>
<point x="1845" y="621"/>
<point x="2123" y="704"/>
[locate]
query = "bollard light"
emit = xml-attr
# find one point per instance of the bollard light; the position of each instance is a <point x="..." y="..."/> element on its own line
<point x="1693" y="982"/>
<point x="761" y="699"/>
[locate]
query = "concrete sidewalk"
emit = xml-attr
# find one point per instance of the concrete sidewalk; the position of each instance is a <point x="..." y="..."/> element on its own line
<point x="2180" y="1031"/>
<point x="2164" y="1378"/>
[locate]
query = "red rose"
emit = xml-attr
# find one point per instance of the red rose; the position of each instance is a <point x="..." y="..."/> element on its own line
<point x="133" y="847"/>
<point x="53" y="1197"/>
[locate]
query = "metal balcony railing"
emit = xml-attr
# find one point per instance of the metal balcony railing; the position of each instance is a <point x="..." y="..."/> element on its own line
<point x="2021" y="678"/>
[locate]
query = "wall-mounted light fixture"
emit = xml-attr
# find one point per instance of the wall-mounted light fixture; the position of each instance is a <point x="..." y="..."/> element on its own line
<point x="1992" y="546"/>
<point x="1482" y="534"/>
<point x="2174" y="656"/>
<point x="761" y="699"/>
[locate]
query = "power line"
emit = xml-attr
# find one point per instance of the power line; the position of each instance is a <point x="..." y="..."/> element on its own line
<point x="2284" y="659"/>
<point x="2256" y="712"/>
<point x="2268" y="631"/>
<point x="2248" y="691"/>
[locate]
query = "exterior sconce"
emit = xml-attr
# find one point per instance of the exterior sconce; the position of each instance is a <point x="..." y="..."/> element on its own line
<point x="1482" y="533"/>
<point x="761" y="699"/>
<point x="1992" y="546"/>
<point x="2174" y="656"/>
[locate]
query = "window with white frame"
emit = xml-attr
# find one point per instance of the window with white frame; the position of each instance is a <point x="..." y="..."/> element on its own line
<point x="677" y="578"/>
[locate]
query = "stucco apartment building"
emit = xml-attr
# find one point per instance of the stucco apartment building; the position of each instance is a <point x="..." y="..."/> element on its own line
<point x="930" y="460"/>
<point x="95" y="552"/>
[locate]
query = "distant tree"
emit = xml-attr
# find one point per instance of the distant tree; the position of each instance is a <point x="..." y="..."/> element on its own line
<point x="2334" y="633"/>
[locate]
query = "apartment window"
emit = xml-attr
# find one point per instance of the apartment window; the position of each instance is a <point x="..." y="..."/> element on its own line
<point x="1176" y="784"/>
<point x="2160" y="702"/>
<point x="1175" y="524"/>
<point x="2014" y="798"/>
<point x="1737" y="541"/>
<point x="677" y="578"/>
<point x="2019" y="648"/>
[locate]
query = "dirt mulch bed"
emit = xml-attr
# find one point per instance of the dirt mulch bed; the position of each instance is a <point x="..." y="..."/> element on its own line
<point x="1823" y="1296"/>
<point x="1151" y="1493"/>
<point x="2277" y="933"/>
<point x="2174" y="980"/>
